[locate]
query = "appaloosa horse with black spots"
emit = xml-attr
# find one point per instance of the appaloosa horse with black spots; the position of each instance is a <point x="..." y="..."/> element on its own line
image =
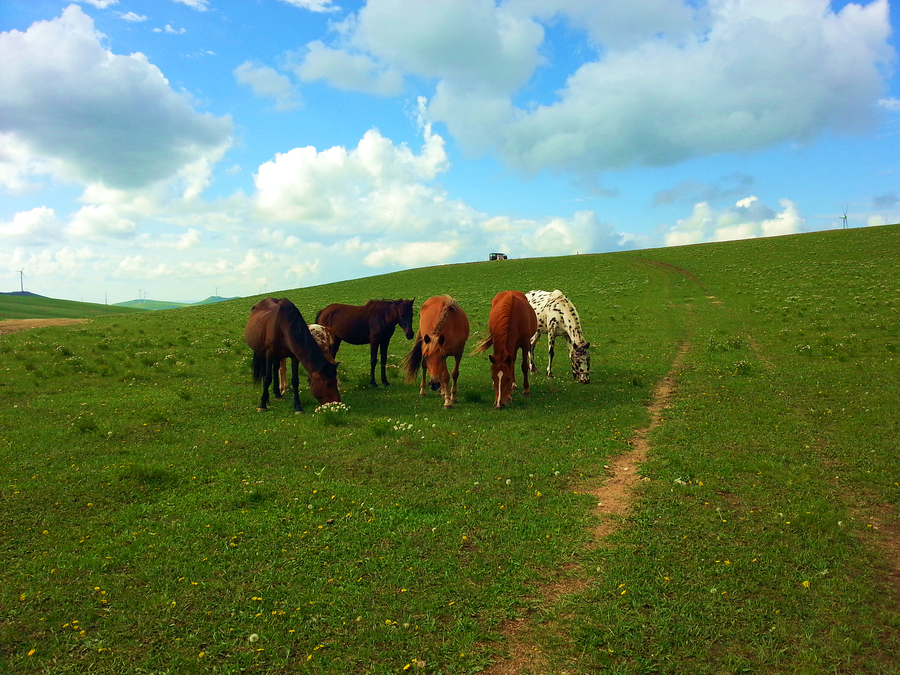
<point x="557" y="316"/>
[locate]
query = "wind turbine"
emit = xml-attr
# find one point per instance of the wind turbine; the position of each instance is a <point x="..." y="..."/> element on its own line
<point x="22" y="279"/>
<point x="844" y="217"/>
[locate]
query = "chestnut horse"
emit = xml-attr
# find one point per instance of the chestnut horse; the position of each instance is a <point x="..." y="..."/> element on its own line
<point x="276" y="330"/>
<point x="372" y="324"/>
<point x="443" y="331"/>
<point x="323" y="337"/>
<point x="511" y="324"/>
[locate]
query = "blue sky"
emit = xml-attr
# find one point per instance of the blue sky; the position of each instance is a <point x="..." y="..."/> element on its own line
<point x="181" y="148"/>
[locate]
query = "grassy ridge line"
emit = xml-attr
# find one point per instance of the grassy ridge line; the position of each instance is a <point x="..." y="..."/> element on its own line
<point x="155" y="522"/>
<point x="28" y="307"/>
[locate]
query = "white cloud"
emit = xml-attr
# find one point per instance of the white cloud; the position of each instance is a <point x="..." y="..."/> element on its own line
<point x="38" y="224"/>
<point x="101" y="4"/>
<point x="670" y="81"/>
<point x="412" y="254"/>
<point x="314" y="5"/>
<point x="374" y="187"/>
<point x="132" y="17"/>
<point x="199" y="5"/>
<point x="99" y="221"/>
<point x="131" y="129"/>
<point x="747" y="219"/>
<point x="347" y="71"/>
<point x="191" y="239"/>
<point x="141" y="269"/>
<point x="266" y="82"/>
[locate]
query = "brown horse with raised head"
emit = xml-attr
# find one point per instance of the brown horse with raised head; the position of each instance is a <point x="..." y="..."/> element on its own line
<point x="276" y="330"/>
<point x="511" y="324"/>
<point x="443" y="331"/>
<point x="372" y="324"/>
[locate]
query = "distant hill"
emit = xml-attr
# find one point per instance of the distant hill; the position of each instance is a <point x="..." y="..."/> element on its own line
<point x="27" y="305"/>
<point x="163" y="304"/>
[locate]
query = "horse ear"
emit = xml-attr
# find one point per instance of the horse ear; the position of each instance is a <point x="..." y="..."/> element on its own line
<point x="508" y="360"/>
<point x="426" y="339"/>
<point x="491" y="359"/>
<point x="441" y="340"/>
<point x="586" y="345"/>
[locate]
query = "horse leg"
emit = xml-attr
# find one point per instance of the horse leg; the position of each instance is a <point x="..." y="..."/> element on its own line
<point x="384" y="347"/>
<point x="278" y="378"/>
<point x="295" y="383"/>
<point x="373" y="359"/>
<point x="455" y="376"/>
<point x="271" y="365"/>
<point x="551" y="341"/>
<point x="281" y="384"/>
<point x="526" y="391"/>
<point x="424" y="376"/>
<point x="534" y="339"/>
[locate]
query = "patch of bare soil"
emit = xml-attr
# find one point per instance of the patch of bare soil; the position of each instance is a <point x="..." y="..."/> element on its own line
<point x="614" y="498"/>
<point x="15" y="325"/>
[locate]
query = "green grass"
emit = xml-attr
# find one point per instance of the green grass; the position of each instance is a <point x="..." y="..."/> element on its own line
<point x="37" y="307"/>
<point x="153" y="520"/>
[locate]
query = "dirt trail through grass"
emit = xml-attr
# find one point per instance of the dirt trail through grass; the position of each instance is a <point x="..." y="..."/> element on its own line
<point x="614" y="499"/>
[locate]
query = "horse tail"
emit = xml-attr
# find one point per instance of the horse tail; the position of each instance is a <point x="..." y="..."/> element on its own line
<point x="258" y="368"/>
<point x="413" y="361"/>
<point x="482" y="346"/>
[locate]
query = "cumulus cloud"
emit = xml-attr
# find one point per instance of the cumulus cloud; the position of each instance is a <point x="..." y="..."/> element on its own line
<point x="694" y="191"/>
<point x="314" y="5"/>
<point x="266" y="82"/>
<point x="374" y="187"/>
<point x="90" y="115"/>
<point x="747" y="219"/>
<point x="346" y="71"/>
<point x="670" y="81"/>
<point x="38" y="224"/>
<point x="377" y="204"/>
<point x="199" y="5"/>
<point x="100" y="220"/>
<point x="132" y="17"/>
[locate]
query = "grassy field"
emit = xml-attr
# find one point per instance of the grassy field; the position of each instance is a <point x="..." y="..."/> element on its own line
<point x="154" y="522"/>
<point x="38" y="307"/>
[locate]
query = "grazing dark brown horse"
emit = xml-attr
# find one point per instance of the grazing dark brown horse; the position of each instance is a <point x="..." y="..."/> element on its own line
<point x="323" y="337"/>
<point x="276" y="330"/>
<point x="443" y="331"/>
<point x="511" y="324"/>
<point x="372" y="324"/>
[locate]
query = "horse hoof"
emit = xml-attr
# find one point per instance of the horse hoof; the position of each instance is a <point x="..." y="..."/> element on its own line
<point x="298" y="412"/>
<point x="261" y="409"/>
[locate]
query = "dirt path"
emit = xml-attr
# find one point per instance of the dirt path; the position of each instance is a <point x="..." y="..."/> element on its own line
<point x="15" y="325"/>
<point x="614" y="498"/>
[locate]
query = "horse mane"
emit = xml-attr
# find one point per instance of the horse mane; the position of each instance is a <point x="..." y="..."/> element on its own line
<point x="299" y="331"/>
<point x="449" y="304"/>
